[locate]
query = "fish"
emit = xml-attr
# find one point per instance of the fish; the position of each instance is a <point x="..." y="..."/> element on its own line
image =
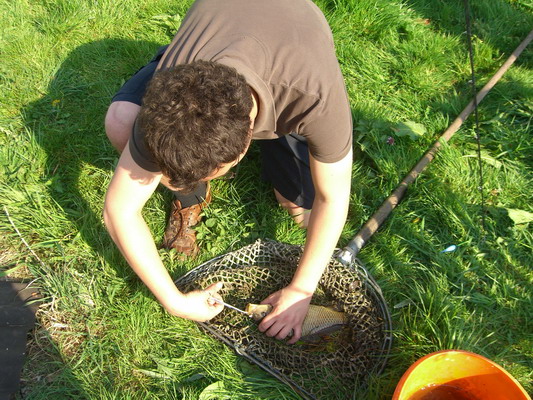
<point x="318" y="322"/>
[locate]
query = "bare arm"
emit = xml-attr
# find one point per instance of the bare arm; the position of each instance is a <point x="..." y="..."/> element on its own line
<point x="332" y="192"/>
<point x="126" y="196"/>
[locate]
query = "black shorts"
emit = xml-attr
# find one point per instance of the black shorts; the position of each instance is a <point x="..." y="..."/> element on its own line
<point x="134" y="88"/>
<point x="284" y="161"/>
<point x="285" y="164"/>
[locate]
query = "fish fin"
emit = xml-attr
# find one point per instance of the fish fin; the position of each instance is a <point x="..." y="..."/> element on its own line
<point x="318" y="332"/>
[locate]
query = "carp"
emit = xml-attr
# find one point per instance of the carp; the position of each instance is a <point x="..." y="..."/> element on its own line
<point x="319" y="320"/>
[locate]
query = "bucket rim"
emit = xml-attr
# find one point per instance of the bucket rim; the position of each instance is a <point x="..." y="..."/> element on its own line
<point x="409" y="371"/>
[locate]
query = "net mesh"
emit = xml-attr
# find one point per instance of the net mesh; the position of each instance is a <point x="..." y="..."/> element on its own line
<point x="328" y="369"/>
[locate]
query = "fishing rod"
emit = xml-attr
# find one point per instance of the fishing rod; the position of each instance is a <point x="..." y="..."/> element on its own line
<point x="348" y="254"/>
<point x="468" y="22"/>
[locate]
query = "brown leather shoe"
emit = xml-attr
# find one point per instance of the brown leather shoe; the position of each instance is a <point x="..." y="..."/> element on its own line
<point x="179" y="235"/>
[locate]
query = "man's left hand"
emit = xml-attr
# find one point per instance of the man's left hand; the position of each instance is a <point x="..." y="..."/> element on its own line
<point x="288" y="313"/>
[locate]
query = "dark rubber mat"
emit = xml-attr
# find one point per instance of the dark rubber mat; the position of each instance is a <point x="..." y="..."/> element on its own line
<point x="18" y="304"/>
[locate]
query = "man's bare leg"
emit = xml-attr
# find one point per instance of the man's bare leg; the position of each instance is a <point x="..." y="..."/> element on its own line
<point x="119" y="122"/>
<point x="299" y="214"/>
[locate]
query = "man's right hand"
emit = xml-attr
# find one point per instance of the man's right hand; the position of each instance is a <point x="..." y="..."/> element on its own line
<point x="198" y="305"/>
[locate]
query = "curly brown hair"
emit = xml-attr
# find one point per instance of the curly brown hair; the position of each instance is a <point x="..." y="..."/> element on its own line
<point x="196" y="117"/>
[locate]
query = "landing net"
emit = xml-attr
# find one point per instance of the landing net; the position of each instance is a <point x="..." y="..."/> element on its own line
<point x="332" y="368"/>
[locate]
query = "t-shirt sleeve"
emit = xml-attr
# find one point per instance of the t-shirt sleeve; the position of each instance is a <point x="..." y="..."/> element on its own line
<point x="139" y="151"/>
<point x="329" y="133"/>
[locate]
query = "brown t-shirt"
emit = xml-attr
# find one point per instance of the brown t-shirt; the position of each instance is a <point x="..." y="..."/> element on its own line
<point x="285" y="51"/>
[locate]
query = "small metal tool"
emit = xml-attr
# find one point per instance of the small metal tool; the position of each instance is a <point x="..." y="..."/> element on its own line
<point x="229" y="306"/>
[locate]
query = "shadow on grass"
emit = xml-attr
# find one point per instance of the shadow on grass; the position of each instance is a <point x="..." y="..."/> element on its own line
<point x="67" y="122"/>
<point x="501" y="24"/>
<point x="46" y="376"/>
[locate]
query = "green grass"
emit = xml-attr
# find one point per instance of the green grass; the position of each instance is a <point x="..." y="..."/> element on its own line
<point x="101" y="334"/>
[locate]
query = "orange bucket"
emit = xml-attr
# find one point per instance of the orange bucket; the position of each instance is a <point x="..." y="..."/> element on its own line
<point x="457" y="375"/>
